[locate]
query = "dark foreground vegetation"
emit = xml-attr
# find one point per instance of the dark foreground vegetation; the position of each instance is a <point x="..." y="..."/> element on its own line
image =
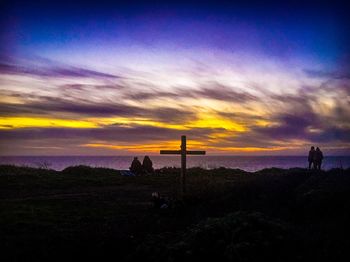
<point x="84" y="213"/>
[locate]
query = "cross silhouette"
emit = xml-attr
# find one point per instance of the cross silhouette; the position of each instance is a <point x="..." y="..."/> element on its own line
<point x="183" y="152"/>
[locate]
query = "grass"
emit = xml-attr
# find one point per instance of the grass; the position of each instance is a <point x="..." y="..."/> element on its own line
<point x="227" y="214"/>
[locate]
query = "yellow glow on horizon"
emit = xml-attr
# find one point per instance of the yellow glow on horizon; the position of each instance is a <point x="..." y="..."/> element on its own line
<point x="138" y="121"/>
<point x="202" y="122"/>
<point x="149" y="147"/>
<point x="135" y="148"/>
<point x="250" y="149"/>
<point x="175" y="144"/>
<point x="207" y="120"/>
<point x="23" y="122"/>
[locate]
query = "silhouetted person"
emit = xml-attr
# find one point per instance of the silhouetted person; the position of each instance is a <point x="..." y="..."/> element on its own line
<point x="147" y="165"/>
<point x="318" y="159"/>
<point x="136" y="167"/>
<point x="311" y="157"/>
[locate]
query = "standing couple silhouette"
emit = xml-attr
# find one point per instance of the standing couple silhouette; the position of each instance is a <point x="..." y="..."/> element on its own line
<point x="315" y="158"/>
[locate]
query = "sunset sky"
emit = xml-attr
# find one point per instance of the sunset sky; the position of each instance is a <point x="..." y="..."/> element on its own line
<point x="104" y="78"/>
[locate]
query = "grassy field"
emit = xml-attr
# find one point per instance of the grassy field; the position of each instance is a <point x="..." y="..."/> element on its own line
<point x="227" y="214"/>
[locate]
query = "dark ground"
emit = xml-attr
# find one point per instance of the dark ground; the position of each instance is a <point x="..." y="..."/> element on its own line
<point x="227" y="215"/>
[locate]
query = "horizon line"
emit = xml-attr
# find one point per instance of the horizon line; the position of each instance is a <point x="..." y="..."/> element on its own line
<point x="166" y="155"/>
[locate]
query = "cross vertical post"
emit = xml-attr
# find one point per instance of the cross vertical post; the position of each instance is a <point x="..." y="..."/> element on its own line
<point x="183" y="164"/>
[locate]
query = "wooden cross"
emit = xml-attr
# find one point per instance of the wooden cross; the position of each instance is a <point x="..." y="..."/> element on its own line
<point x="183" y="152"/>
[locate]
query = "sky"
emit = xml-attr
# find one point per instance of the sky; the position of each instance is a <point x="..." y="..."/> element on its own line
<point x="130" y="77"/>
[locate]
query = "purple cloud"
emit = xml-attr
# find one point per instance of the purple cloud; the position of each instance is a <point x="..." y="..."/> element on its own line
<point x="214" y="91"/>
<point x="51" y="71"/>
<point x="112" y="133"/>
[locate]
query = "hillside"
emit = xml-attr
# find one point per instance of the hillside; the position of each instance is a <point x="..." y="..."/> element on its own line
<point x="228" y="214"/>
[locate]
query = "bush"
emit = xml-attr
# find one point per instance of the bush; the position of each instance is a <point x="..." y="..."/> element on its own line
<point x="239" y="236"/>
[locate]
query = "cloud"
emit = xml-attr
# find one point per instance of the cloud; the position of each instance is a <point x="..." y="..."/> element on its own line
<point x="325" y="74"/>
<point x="149" y="95"/>
<point x="46" y="70"/>
<point x="171" y="115"/>
<point x="111" y="133"/>
<point x="148" y="112"/>
<point x="340" y="134"/>
<point x="212" y="90"/>
<point x="54" y="105"/>
<point x="342" y="71"/>
<point x="223" y="93"/>
<point x="302" y="122"/>
<point x="290" y="126"/>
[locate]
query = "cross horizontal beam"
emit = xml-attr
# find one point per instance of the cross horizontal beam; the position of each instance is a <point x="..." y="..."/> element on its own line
<point x="170" y="152"/>
<point x="191" y="152"/>
<point x="179" y="152"/>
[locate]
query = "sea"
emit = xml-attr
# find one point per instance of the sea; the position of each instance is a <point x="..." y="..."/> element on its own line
<point x="247" y="163"/>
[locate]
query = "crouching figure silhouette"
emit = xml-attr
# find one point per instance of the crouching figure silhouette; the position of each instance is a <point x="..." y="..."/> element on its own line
<point x="136" y="167"/>
<point x="147" y="165"/>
